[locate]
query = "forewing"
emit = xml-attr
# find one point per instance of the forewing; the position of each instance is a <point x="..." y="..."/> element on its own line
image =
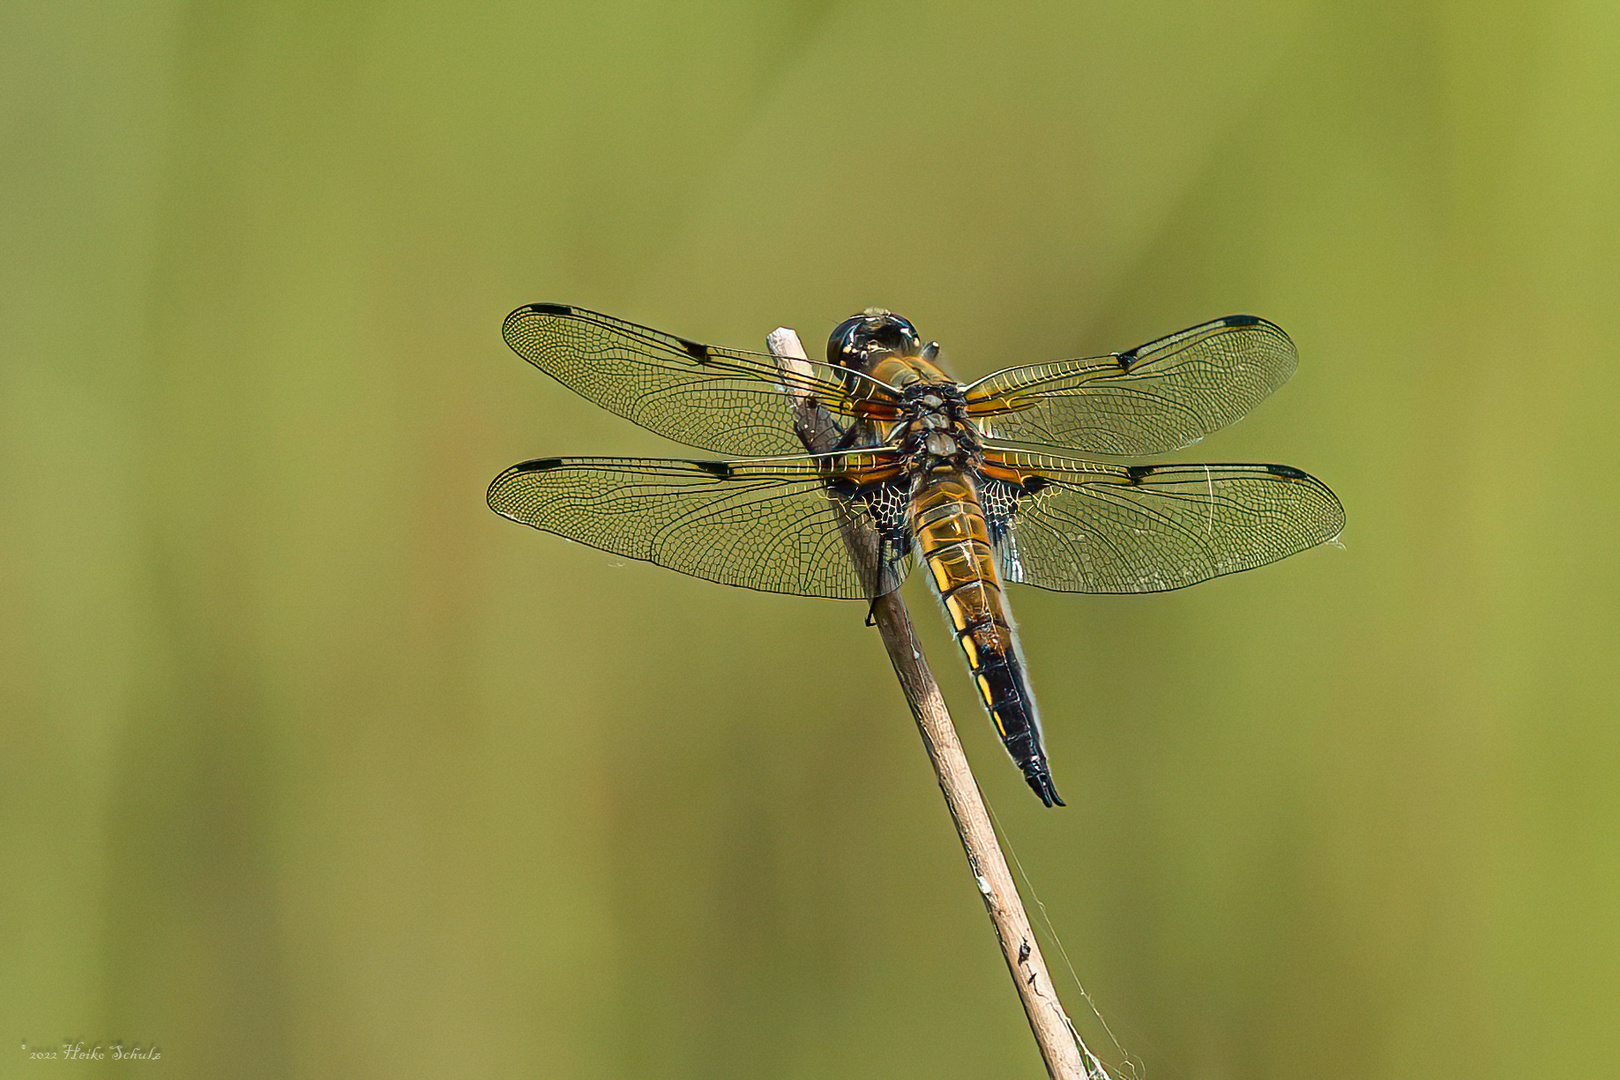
<point x="1151" y="399"/>
<point x="1080" y="526"/>
<point x="777" y="525"/>
<point x="727" y="400"/>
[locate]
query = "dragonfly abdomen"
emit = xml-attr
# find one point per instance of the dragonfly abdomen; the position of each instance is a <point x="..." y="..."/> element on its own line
<point x="953" y="540"/>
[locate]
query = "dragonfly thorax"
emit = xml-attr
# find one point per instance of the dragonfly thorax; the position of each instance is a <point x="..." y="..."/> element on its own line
<point x="936" y="433"/>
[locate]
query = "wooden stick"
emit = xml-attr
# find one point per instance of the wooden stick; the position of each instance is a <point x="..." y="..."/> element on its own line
<point x="1059" y="1043"/>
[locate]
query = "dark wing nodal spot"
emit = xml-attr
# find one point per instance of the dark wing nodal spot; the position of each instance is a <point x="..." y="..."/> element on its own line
<point x="1134" y="473"/>
<point x="1126" y="359"/>
<point x="1242" y="320"/>
<point x="545" y="464"/>
<point x="550" y="309"/>
<point x="715" y="468"/>
<point x="699" y="352"/>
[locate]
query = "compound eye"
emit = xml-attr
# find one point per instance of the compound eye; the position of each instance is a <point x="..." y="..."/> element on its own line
<point x="910" y="343"/>
<point x="856" y="339"/>
<point x="842" y="349"/>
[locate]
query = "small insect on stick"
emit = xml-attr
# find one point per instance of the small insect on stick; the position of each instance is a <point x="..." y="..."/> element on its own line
<point x="1054" y="1033"/>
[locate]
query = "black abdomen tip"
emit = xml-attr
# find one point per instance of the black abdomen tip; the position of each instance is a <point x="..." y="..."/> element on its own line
<point x="1040" y="782"/>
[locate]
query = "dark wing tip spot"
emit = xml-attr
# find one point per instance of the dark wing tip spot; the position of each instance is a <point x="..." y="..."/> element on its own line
<point x="1243" y="320"/>
<point x="1288" y="471"/>
<point x="545" y="464"/>
<point x="699" y="352"/>
<point x="719" y="469"/>
<point x="514" y="329"/>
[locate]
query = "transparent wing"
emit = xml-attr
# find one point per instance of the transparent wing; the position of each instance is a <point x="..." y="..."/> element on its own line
<point x="727" y="400"/>
<point x="776" y="524"/>
<point x="1151" y="399"/>
<point x="1082" y="526"/>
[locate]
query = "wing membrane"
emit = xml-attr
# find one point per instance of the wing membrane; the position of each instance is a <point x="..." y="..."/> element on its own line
<point x="1081" y="526"/>
<point x="727" y="400"/>
<point x="1151" y="399"/>
<point x="776" y="524"/>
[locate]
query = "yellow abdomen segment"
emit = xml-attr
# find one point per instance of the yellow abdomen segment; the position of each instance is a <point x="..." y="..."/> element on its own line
<point x="954" y="542"/>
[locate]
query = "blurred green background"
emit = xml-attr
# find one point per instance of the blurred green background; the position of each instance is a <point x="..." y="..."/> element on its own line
<point x="312" y="766"/>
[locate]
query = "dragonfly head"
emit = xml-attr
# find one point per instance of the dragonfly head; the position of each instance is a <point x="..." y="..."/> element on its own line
<point x="861" y="339"/>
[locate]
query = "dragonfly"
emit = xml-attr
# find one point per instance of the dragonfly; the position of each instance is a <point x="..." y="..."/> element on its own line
<point x="972" y="479"/>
